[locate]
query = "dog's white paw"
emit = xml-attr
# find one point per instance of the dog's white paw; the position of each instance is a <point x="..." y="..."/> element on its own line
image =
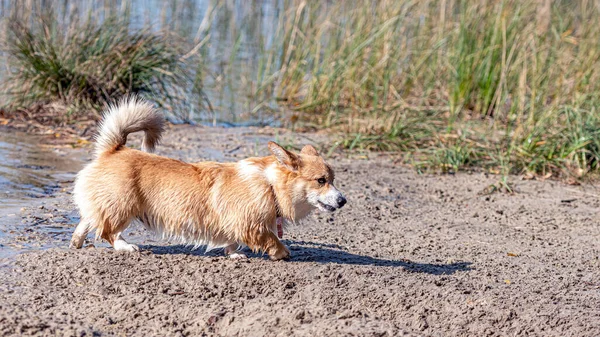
<point x="123" y="246"/>
<point x="237" y="256"/>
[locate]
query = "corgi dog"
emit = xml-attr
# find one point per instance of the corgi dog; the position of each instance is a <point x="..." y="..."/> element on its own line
<point x="221" y="205"/>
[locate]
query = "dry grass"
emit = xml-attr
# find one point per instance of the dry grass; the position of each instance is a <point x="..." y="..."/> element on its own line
<point x="512" y="86"/>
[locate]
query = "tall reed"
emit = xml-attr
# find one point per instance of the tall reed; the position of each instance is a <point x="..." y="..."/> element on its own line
<point x="504" y="79"/>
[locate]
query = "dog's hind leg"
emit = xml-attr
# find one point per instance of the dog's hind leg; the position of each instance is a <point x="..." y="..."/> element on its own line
<point x="233" y="251"/>
<point x="112" y="234"/>
<point x="120" y="245"/>
<point x="81" y="233"/>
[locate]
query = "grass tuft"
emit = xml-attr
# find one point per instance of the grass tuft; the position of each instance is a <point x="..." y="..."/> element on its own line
<point x="90" y="65"/>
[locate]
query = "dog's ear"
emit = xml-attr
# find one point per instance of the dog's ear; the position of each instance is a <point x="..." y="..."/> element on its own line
<point x="309" y="150"/>
<point x="284" y="157"/>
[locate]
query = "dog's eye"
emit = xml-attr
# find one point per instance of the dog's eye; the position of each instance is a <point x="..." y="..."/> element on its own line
<point x="321" y="181"/>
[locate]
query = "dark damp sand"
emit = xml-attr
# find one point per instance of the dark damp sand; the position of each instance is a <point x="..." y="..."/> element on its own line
<point x="409" y="255"/>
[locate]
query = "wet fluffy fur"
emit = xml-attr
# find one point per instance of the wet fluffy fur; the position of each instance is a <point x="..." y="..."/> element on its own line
<point x="217" y="204"/>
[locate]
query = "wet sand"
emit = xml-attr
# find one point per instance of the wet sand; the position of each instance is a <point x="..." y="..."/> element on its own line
<point x="409" y="255"/>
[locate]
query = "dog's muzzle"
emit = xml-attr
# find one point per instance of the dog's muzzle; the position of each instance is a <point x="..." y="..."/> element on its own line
<point x="333" y="200"/>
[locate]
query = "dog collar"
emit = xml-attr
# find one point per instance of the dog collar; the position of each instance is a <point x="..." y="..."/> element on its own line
<point x="279" y="222"/>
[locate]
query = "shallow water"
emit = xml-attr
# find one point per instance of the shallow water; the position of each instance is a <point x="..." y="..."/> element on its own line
<point x="31" y="171"/>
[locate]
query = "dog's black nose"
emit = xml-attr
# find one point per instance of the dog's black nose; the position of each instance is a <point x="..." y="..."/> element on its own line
<point x="341" y="201"/>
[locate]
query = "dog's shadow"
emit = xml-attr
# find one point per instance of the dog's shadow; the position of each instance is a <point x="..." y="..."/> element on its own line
<point x="304" y="251"/>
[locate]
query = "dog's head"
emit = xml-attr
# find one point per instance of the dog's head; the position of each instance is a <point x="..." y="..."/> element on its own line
<point x="313" y="177"/>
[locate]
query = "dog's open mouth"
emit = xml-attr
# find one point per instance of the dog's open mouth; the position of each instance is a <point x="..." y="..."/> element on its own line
<point x="326" y="207"/>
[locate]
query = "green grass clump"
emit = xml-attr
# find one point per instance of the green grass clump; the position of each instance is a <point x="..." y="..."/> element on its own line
<point x="90" y="65"/>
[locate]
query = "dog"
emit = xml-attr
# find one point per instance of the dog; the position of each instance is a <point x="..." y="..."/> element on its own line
<point x="221" y="205"/>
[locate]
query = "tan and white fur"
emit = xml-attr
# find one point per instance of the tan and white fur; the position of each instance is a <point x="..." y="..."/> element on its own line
<point x="217" y="204"/>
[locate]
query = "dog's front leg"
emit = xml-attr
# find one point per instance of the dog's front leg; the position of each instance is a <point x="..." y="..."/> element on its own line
<point x="268" y="242"/>
<point x="276" y="249"/>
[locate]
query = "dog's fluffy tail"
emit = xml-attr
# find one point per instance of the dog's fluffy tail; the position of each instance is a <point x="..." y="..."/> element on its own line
<point x="131" y="114"/>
